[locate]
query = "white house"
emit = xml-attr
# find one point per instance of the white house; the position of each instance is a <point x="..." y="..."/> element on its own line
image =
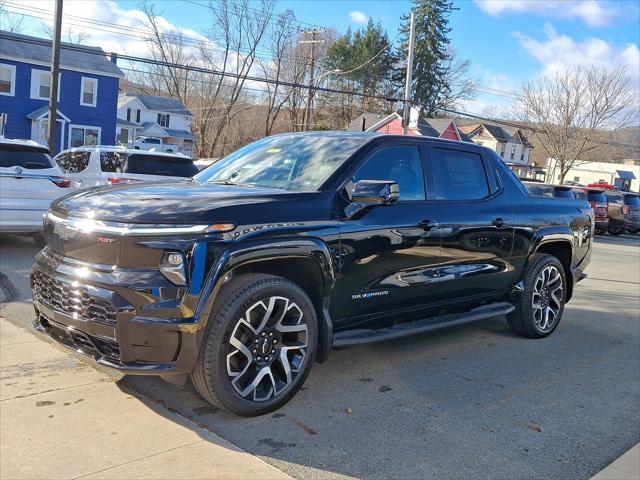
<point x="595" y="172"/>
<point x="510" y="143"/>
<point x="142" y="115"/>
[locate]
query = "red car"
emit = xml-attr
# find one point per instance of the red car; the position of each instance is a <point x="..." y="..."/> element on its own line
<point x="603" y="185"/>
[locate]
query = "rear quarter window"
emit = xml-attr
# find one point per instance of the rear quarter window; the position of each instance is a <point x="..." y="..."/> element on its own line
<point x="160" y="165"/>
<point x="24" y="157"/>
<point x="113" y="162"/>
<point x="73" y="162"/>
<point x="632" y="200"/>
<point x="596" y="197"/>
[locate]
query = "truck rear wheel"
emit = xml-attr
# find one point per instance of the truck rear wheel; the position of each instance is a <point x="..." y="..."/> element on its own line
<point x="541" y="304"/>
<point x="258" y="347"/>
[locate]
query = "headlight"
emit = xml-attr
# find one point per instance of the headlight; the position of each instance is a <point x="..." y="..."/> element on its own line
<point x="173" y="268"/>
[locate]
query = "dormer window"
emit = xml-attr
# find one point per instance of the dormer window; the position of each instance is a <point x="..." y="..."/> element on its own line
<point x="88" y="91"/>
<point x="163" y="119"/>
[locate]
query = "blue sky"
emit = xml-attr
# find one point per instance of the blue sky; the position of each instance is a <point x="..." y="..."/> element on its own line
<point x="507" y="41"/>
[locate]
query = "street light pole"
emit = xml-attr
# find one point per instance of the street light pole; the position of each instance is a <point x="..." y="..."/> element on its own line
<point x="55" y="73"/>
<point x="407" y="87"/>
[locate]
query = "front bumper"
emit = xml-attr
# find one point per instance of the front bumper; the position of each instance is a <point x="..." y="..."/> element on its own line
<point x="132" y="321"/>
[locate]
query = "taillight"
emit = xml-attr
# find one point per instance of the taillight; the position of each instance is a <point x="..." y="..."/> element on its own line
<point x="116" y="180"/>
<point x="62" y="182"/>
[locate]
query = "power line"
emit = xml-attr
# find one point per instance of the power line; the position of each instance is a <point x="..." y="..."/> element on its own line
<point x="193" y="68"/>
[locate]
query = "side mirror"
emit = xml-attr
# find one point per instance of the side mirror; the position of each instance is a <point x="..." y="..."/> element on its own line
<point x="371" y="193"/>
<point x="375" y="192"/>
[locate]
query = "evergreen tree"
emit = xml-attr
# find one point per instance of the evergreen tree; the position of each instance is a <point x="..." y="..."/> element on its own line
<point x="367" y="60"/>
<point x="431" y="57"/>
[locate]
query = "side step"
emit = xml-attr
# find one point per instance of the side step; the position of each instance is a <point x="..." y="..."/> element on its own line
<point x="357" y="337"/>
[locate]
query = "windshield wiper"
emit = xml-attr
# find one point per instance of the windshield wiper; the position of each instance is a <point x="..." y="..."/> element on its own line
<point x="228" y="181"/>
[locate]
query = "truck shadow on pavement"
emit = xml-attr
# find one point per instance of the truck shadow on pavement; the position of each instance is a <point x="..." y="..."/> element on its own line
<point x="468" y="402"/>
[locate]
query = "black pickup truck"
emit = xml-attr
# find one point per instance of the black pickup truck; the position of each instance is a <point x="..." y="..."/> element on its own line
<point x="246" y="274"/>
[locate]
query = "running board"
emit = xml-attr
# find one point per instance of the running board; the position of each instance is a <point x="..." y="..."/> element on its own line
<point x="357" y="337"/>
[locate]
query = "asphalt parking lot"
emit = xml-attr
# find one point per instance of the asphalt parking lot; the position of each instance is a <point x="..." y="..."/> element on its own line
<point x="467" y="402"/>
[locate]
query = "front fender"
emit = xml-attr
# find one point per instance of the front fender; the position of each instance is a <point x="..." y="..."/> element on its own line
<point x="255" y="251"/>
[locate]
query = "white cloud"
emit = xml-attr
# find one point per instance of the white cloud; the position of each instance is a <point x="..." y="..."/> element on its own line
<point x="358" y="17"/>
<point x="557" y="52"/>
<point x="105" y="34"/>
<point x="595" y="13"/>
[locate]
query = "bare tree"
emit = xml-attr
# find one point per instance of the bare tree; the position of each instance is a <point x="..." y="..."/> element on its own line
<point x="69" y="34"/>
<point x="280" y="38"/>
<point x="458" y="85"/>
<point x="9" y="20"/>
<point x="570" y="108"/>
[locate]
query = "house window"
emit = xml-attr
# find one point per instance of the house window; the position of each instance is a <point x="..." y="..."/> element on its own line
<point x="41" y="84"/>
<point x="88" y="91"/>
<point x="163" y="119"/>
<point x="7" y="79"/>
<point x="128" y="114"/>
<point x="522" y="156"/>
<point x="81" y="136"/>
<point x="576" y="179"/>
<point x="138" y="116"/>
<point x="502" y="148"/>
<point x="513" y="152"/>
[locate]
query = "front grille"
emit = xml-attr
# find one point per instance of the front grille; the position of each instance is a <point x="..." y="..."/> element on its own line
<point x="70" y="299"/>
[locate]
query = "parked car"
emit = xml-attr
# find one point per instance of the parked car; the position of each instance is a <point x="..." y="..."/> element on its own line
<point x="624" y="212"/>
<point x="632" y="201"/>
<point x="549" y="190"/>
<point x="598" y="203"/>
<point x="153" y="144"/>
<point x="30" y="181"/>
<point x="106" y="165"/>
<point x="603" y="185"/>
<point x="245" y="275"/>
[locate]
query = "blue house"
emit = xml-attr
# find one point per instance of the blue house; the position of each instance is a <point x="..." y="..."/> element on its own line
<point x="87" y="94"/>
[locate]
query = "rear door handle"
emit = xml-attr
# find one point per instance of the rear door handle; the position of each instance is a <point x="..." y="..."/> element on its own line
<point x="500" y="222"/>
<point x="428" y="225"/>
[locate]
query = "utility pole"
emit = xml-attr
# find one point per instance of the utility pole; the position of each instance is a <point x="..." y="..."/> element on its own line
<point x="407" y="87"/>
<point x="55" y="74"/>
<point x="308" y="111"/>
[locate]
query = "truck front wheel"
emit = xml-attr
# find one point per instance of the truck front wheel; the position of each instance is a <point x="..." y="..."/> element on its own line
<point x="258" y="347"/>
<point x="541" y="304"/>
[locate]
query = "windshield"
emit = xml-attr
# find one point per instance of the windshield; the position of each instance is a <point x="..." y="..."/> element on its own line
<point x="288" y="162"/>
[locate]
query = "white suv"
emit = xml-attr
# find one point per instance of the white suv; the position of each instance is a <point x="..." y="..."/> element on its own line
<point x="29" y="182"/>
<point x="104" y="165"/>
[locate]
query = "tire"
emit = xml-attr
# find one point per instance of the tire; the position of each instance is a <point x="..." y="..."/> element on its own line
<point x="616" y="230"/>
<point x="600" y="231"/>
<point x="38" y="239"/>
<point x="225" y="371"/>
<point x="527" y="320"/>
<point x="633" y="230"/>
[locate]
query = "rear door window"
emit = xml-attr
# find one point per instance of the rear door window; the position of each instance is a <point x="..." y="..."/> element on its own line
<point x="459" y="175"/>
<point x="160" y="165"/>
<point x="24" y="157"/>
<point x="73" y="162"/>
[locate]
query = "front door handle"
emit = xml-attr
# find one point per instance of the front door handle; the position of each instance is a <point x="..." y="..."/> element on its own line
<point x="500" y="222"/>
<point x="428" y="225"/>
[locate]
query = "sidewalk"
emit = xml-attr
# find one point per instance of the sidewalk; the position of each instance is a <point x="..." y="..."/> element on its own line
<point x="60" y="418"/>
<point x="627" y="467"/>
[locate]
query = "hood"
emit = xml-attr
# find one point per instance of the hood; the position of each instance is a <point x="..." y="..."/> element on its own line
<point x="167" y="202"/>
